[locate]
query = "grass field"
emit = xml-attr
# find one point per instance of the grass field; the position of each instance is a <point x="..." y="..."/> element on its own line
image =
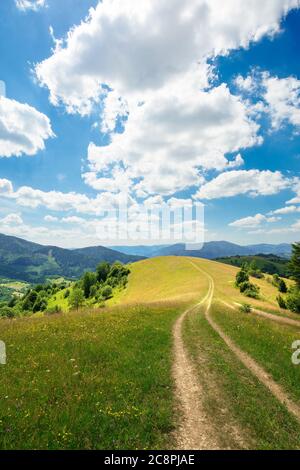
<point x="158" y="279"/>
<point x="88" y="381"/>
<point x="102" y="378"/>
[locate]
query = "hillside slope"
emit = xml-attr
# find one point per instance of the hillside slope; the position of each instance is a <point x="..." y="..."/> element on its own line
<point x="23" y="260"/>
<point x="163" y="279"/>
<point x="104" y="379"/>
<point x="172" y="278"/>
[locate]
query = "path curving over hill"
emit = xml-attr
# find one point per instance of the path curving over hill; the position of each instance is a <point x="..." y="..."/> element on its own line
<point x="195" y="431"/>
<point x="247" y="360"/>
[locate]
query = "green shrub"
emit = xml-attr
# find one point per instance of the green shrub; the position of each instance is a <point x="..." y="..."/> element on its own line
<point x="244" y="286"/>
<point x="252" y="292"/>
<point x="293" y="300"/>
<point x="275" y="280"/>
<point x="29" y="300"/>
<point x="281" y="302"/>
<point x="67" y="294"/>
<point x="257" y="274"/>
<point x="246" y="308"/>
<point x="107" y="292"/>
<point x="241" y="277"/>
<point x="53" y="310"/>
<point x="282" y="287"/>
<point x="40" y="305"/>
<point x="93" y="291"/>
<point x="7" y="312"/>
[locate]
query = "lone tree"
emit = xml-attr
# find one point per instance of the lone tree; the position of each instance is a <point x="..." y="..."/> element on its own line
<point x="294" y="264"/>
<point x="76" y="298"/>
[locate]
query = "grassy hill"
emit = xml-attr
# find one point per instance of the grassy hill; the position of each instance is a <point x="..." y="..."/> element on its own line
<point x="162" y="279"/>
<point x="99" y="379"/>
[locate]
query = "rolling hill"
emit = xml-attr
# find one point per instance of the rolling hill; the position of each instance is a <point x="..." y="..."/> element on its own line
<point x="171" y="366"/>
<point x="23" y="260"/>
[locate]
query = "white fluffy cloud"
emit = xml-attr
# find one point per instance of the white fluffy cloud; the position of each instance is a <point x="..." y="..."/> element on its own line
<point x="250" y="182"/>
<point x="296" y="188"/>
<point x="253" y="221"/>
<point x="33" y="198"/>
<point x="286" y="210"/>
<point x="172" y="136"/>
<point x="50" y="218"/>
<point x="145" y="62"/>
<point x="11" y="220"/>
<point x="279" y="97"/>
<point x="34" y="5"/>
<point x="136" y="46"/>
<point x="23" y="129"/>
<point x="283" y="99"/>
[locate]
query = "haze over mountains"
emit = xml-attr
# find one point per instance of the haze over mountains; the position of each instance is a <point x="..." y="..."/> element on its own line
<point x="24" y="260"/>
<point x="210" y="250"/>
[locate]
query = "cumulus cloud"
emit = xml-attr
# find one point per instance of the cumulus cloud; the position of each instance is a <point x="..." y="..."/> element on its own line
<point x="23" y="129"/>
<point x="141" y="45"/>
<point x="296" y="188"/>
<point x="249" y="182"/>
<point x="283" y="99"/>
<point x="34" y="5"/>
<point x="145" y="64"/>
<point x="50" y="218"/>
<point x="278" y="97"/>
<point x="172" y="136"/>
<point x="11" y="220"/>
<point x="27" y="196"/>
<point x="286" y="210"/>
<point x="253" y="221"/>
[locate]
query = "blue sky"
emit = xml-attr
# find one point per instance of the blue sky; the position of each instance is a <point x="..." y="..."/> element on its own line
<point x="159" y="102"/>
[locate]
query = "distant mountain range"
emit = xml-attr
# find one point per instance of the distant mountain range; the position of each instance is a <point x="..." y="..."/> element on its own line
<point x="210" y="250"/>
<point x="23" y="260"/>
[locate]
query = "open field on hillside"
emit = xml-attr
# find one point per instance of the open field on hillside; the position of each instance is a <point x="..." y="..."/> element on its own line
<point x="88" y="381"/>
<point x="165" y="278"/>
<point x="104" y="378"/>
